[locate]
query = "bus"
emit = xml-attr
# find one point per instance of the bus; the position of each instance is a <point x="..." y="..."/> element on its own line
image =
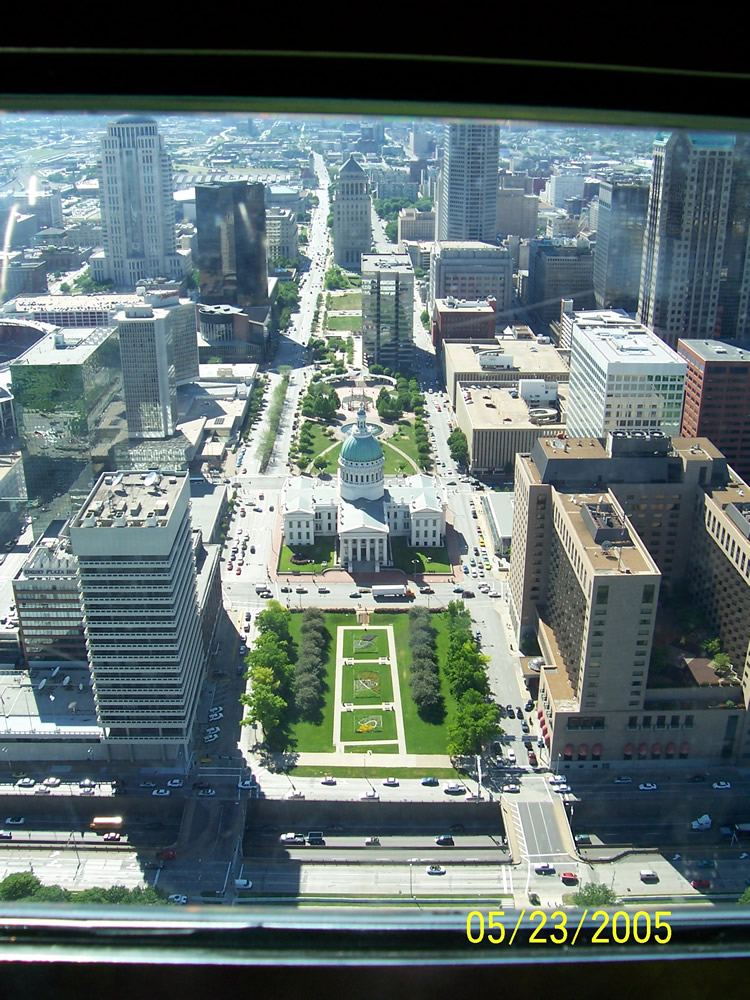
<point x="106" y="823"/>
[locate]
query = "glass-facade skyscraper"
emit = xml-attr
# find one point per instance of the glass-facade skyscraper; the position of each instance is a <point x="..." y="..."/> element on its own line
<point x="387" y="309"/>
<point x="230" y="220"/>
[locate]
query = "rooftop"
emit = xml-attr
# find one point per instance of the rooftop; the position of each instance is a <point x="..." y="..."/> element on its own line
<point x="626" y="555"/>
<point x="625" y="344"/>
<point x="527" y="356"/>
<point x="400" y="262"/>
<point x="132" y="499"/>
<point x="717" y="350"/>
<point x="65" y="347"/>
<point x="496" y="409"/>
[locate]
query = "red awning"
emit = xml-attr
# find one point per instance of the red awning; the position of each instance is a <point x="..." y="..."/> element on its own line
<point x="684" y="747"/>
<point x="643" y="748"/>
<point x="546" y="740"/>
<point x="656" y="748"/>
<point x="671" y="748"/>
<point x="539" y="713"/>
<point x="596" y="749"/>
<point x="583" y="750"/>
<point x="544" y="728"/>
<point x="629" y="748"/>
<point x="568" y="751"/>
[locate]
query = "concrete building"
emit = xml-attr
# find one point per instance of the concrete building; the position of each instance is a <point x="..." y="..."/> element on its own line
<point x="569" y="183"/>
<point x="619" y="223"/>
<point x="517" y="213"/>
<point x="352" y="223"/>
<point x="387" y="309"/>
<point x="414" y="225"/>
<point x="502" y="365"/>
<point x="695" y="273"/>
<point x="456" y="319"/>
<point x="281" y="234"/>
<point x="467" y="187"/>
<point x="137" y="574"/>
<point x="137" y="207"/>
<point x="559" y="269"/>
<point x="499" y="423"/>
<point x="589" y="568"/>
<point x="472" y="270"/>
<point x="363" y="512"/>
<point x="717" y="398"/>
<point x="622" y="377"/>
<point x="230" y="220"/>
<point x="147" y="351"/>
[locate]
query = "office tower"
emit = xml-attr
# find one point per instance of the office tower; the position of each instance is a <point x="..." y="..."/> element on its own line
<point x="458" y="319"/>
<point x="569" y="183"/>
<point x="472" y="270"/>
<point x="622" y="377"/>
<point x="598" y="552"/>
<point x="517" y="213"/>
<point x="352" y="223"/>
<point x="149" y="384"/>
<point x="136" y="196"/>
<point x="620" y="225"/>
<point x="559" y="269"/>
<point x="467" y="188"/>
<point x="694" y="273"/>
<point x="66" y="389"/>
<point x="48" y="603"/>
<point x="230" y="220"/>
<point x="414" y="225"/>
<point x="134" y="546"/>
<point x="387" y="309"/>
<point x="717" y="397"/>
<point x="281" y="234"/>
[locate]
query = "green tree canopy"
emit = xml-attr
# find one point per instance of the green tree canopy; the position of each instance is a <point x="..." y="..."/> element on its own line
<point x="476" y="724"/>
<point x="19" y="885"/>
<point x="594" y="894"/>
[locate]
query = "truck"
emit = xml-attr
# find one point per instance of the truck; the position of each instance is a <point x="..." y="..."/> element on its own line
<point x="379" y="593"/>
<point x="106" y="823"/>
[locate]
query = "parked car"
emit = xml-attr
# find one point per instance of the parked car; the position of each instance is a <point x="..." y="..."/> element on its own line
<point x="178" y="899"/>
<point x="328" y="780"/>
<point x="445" y="840"/>
<point x="701" y="883"/>
<point x="161" y="791"/>
<point x="431" y="782"/>
<point x="647" y="786"/>
<point x="454" y="788"/>
<point x="391" y="782"/>
<point x="435" y="870"/>
<point x="174" y="783"/>
<point x="544" y="869"/>
<point x="623" y="779"/>
<point x="723" y="785"/>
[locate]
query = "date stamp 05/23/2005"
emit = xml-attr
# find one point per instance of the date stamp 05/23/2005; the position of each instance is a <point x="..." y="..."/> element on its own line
<point x="556" y="927"/>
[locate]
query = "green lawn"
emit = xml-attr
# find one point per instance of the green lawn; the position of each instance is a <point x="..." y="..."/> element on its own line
<point x="332" y="462"/>
<point x="343" y="322"/>
<point x="318" y="443"/>
<point x="421" y="736"/>
<point x="378" y="646"/>
<point x="404" y="440"/>
<point x="351" y="721"/>
<point x="321" y="552"/>
<point x="308" y="736"/>
<point x="349" y="300"/>
<point x="430" y="560"/>
<point x="375" y="684"/>
<point x="395" y="464"/>
<point x="355" y="771"/>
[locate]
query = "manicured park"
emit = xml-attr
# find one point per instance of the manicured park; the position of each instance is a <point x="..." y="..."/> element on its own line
<point x="322" y="553"/>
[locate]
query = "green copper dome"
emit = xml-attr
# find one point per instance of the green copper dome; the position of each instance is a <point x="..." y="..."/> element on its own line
<point x="361" y="445"/>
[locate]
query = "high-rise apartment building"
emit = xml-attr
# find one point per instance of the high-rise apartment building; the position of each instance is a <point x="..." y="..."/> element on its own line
<point x="598" y="547"/>
<point x="387" y="309"/>
<point x="620" y="223"/>
<point x="352" y="222"/>
<point x="622" y="377"/>
<point x="138" y="216"/>
<point x="695" y="273"/>
<point x="559" y="268"/>
<point x="137" y="572"/>
<point x="467" y="187"/>
<point x="230" y="220"/>
<point x="717" y="397"/>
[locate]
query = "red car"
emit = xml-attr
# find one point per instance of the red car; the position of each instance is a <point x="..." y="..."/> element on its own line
<point x="569" y="877"/>
<point x="239" y="571"/>
<point x="532" y="759"/>
<point x="701" y="883"/>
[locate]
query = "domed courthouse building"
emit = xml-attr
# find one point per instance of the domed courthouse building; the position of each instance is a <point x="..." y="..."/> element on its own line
<point x="360" y="509"/>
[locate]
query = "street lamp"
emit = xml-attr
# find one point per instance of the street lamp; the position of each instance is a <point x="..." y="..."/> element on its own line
<point x="557" y="764"/>
<point x="364" y="766"/>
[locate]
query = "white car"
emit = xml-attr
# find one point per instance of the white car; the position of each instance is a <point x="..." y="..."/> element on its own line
<point x="218" y="716"/>
<point x="370" y="796"/>
<point x="148" y="784"/>
<point x="51" y="782"/>
<point x="623" y="779"/>
<point x="42" y="790"/>
<point x="454" y="788"/>
<point x="511" y="788"/>
<point x="435" y="870"/>
<point x="296" y="794"/>
<point x="721" y="785"/>
<point x="207" y="792"/>
<point x="210" y="739"/>
<point x="211" y="730"/>
<point x="25" y="783"/>
<point x="177" y="898"/>
<point x="174" y="783"/>
<point x="648" y="786"/>
<point x="557" y="779"/>
<point x="161" y="791"/>
<point x="391" y="782"/>
<point x="246" y="783"/>
<point x="561" y="788"/>
<point x="510" y="757"/>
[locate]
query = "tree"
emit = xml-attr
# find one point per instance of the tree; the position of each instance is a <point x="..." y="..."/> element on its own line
<point x="425" y="317"/>
<point x="459" y="446"/>
<point x="712" y="647"/>
<point x="476" y="724"/>
<point x="265" y="707"/>
<point x="51" y="894"/>
<point x="19" y="885"/>
<point x="745" y="898"/>
<point x="274" y="618"/>
<point x="391" y="231"/>
<point x="321" y="462"/>
<point x="593" y="894"/>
